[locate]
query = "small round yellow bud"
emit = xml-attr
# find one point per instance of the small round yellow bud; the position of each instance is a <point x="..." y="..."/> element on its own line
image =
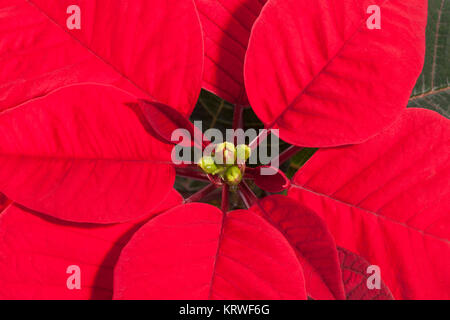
<point x="243" y="152"/>
<point x="233" y="175"/>
<point x="207" y="164"/>
<point x="225" y="153"/>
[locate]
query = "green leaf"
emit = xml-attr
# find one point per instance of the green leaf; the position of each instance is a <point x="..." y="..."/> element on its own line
<point x="438" y="101"/>
<point x="299" y="160"/>
<point x="187" y="186"/>
<point x="432" y="87"/>
<point x="215" y="112"/>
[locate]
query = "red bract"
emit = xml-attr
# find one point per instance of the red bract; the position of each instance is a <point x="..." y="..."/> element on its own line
<point x="4" y="201"/>
<point x="163" y="120"/>
<point x="37" y="250"/>
<point x="315" y="65"/>
<point x="312" y="242"/>
<point x="80" y="154"/>
<point x="131" y="52"/>
<point x="354" y="275"/>
<point x="86" y="171"/>
<point x="273" y="181"/>
<point x="226" y="28"/>
<point x="198" y="252"/>
<point x="387" y="200"/>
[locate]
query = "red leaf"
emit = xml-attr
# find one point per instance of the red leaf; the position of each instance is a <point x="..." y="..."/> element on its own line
<point x="309" y="236"/>
<point x="226" y="28"/>
<point x="271" y="180"/>
<point x="316" y="66"/>
<point x="387" y="200"/>
<point x="196" y="252"/>
<point x="354" y="274"/>
<point x="165" y="120"/>
<point x="4" y="202"/>
<point x="152" y="49"/>
<point x="37" y="250"/>
<point x="81" y="154"/>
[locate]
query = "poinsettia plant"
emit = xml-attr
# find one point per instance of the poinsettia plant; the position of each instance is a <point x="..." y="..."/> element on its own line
<point x="88" y="113"/>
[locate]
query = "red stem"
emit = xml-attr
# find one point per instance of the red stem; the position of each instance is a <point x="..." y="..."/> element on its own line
<point x="190" y="173"/>
<point x="288" y="153"/>
<point x="201" y="193"/>
<point x="225" y="201"/>
<point x="238" y="115"/>
<point x="247" y="195"/>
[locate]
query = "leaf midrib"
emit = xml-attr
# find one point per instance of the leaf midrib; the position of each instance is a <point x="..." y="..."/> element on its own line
<point x="378" y="215"/>
<point x="90" y="50"/>
<point x="436" y="40"/>
<point x="321" y="71"/>
<point x="429" y="93"/>
<point x="68" y="158"/>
